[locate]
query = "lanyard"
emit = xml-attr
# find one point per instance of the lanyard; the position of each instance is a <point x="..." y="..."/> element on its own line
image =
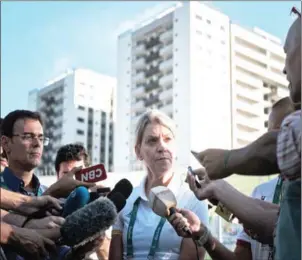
<point x="156" y="235"/>
<point x="278" y="193"/>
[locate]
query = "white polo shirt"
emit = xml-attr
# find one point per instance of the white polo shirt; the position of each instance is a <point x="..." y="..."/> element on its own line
<point x="264" y="191"/>
<point x="147" y="221"/>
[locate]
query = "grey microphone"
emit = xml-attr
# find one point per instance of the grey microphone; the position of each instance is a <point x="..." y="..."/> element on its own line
<point x="163" y="203"/>
<point x="88" y="223"/>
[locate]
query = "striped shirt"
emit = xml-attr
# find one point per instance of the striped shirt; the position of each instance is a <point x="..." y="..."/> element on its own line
<point x="289" y="146"/>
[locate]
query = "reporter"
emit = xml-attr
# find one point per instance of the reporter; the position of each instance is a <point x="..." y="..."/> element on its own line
<point x="25" y="242"/>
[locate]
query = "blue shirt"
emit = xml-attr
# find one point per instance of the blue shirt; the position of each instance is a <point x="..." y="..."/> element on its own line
<point x="11" y="182"/>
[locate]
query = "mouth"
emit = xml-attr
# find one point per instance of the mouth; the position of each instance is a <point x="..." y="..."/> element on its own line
<point x="35" y="154"/>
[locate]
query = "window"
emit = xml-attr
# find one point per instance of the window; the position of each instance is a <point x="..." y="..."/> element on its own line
<point x="198" y="17"/>
<point x="81" y="108"/>
<point x="208" y="21"/>
<point x="80" y="132"/>
<point x="222" y="28"/>
<point x="80" y="119"/>
<point x="266" y="124"/>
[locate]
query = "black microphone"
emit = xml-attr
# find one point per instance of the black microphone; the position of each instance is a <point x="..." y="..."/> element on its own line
<point x="88" y="223"/>
<point x="124" y="187"/>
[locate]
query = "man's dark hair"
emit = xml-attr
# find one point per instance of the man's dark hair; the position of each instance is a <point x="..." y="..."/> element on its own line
<point x="7" y="125"/>
<point x="71" y="152"/>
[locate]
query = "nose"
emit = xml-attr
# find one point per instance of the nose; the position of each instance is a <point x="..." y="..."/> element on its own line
<point x="162" y="145"/>
<point x="36" y="142"/>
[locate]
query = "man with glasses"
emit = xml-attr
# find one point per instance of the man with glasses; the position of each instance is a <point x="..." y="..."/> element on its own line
<point x="3" y="159"/>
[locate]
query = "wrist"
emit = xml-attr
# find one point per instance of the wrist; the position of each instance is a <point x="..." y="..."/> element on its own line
<point x="210" y="245"/>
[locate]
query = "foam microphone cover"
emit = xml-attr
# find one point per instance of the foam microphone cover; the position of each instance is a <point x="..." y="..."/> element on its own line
<point x="89" y="222"/>
<point x="77" y="199"/>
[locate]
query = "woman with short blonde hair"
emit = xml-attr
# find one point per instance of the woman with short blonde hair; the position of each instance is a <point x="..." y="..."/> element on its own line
<point x="139" y="233"/>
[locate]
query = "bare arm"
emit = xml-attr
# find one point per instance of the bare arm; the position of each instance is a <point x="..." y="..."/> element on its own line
<point x="258" y="158"/>
<point x="188" y="250"/>
<point x="11" y="200"/>
<point x="12" y="219"/>
<point x="102" y="250"/>
<point x="116" y="247"/>
<point x="258" y="215"/>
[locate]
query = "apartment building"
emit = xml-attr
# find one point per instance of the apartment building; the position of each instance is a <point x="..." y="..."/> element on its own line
<point x="77" y="107"/>
<point x="216" y="79"/>
<point x="257" y="60"/>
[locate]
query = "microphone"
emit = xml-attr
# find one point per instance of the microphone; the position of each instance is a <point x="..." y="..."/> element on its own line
<point x="89" y="222"/>
<point x="124" y="187"/>
<point x="77" y="199"/>
<point x="163" y="203"/>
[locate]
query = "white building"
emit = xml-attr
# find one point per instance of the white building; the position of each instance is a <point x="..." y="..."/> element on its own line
<point x="187" y="61"/>
<point x="77" y="107"/>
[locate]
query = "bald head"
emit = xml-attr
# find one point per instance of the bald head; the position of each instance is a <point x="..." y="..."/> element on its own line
<point x="292" y="48"/>
<point x="280" y="110"/>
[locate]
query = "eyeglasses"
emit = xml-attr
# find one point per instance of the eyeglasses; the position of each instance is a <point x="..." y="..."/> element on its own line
<point x="29" y="137"/>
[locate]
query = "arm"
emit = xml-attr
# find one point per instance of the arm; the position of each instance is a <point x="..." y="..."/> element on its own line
<point x="258" y="158"/>
<point x="188" y="250"/>
<point x="103" y="249"/>
<point x="25" y="204"/>
<point x="258" y="215"/>
<point x="116" y="246"/>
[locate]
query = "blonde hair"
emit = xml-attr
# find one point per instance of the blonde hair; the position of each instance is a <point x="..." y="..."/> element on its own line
<point x="151" y="116"/>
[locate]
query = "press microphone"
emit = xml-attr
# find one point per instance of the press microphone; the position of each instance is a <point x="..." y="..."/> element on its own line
<point x="124" y="187"/>
<point x="163" y="203"/>
<point x="89" y="222"/>
<point x="77" y="199"/>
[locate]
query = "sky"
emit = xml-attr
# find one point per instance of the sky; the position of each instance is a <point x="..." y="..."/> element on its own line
<point x="40" y="40"/>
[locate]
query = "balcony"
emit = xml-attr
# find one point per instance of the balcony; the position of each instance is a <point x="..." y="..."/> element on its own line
<point x="277" y="65"/>
<point x="167" y="94"/>
<point x="152" y="85"/>
<point x="152" y="71"/>
<point x="167" y="109"/>
<point x="269" y="76"/>
<point x="251" y="122"/>
<point x="249" y="80"/>
<point x="139" y="50"/>
<point x="153" y="56"/>
<point x="255" y="95"/>
<point x="139" y="91"/>
<point x="166" y="65"/>
<point x="151" y="100"/>
<point x="166" y="51"/>
<point x="139" y="63"/>
<point x="166" y="36"/>
<point x="138" y="106"/>
<point x="253" y="109"/>
<point x="250" y="53"/>
<point x="166" y="80"/>
<point x="139" y="77"/>
<point x="152" y="42"/>
<point x="247" y="136"/>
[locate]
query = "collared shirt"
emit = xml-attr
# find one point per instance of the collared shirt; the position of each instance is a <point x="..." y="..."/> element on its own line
<point x="147" y="221"/>
<point x="288" y="229"/>
<point x="289" y="146"/>
<point x="11" y="182"/>
<point x="264" y="191"/>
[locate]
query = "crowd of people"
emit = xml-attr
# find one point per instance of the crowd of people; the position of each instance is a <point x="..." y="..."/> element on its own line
<point x="271" y="216"/>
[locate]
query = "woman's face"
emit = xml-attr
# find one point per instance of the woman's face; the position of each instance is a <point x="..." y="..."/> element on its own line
<point x="157" y="148"/>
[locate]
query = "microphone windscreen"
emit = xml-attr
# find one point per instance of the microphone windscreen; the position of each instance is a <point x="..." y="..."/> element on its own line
<point x="124" y="187"/>
<point x="77" y="199"/>
<point x="118" y="200"/>
<point x="88" y="223"/>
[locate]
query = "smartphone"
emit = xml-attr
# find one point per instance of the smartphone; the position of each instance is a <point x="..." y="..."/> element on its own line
<point x="92" y="174"/>
<point x="197" y="181"/>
